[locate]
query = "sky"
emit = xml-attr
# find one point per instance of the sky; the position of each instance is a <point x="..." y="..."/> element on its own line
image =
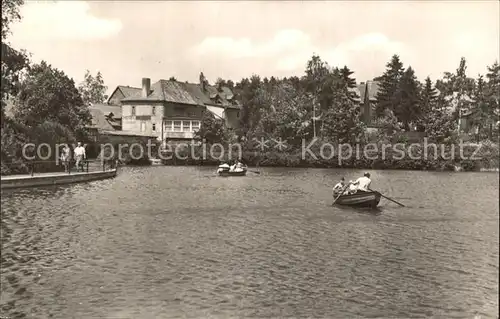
<point x="129" y="40"/>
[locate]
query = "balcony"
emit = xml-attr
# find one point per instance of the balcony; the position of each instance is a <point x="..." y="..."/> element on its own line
<point x="181" y="129"/>
<point x="179" y="135"/>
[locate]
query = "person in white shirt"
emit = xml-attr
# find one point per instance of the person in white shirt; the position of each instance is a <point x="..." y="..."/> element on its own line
<point x="363" y="183"/>
<point x="79" y="156"/>
<point x="238" y="167"/>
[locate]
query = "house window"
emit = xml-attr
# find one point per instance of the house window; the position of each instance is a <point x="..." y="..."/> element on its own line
<point x="169" y="126"/>
<point x="133" y="110"/>
<point x="177" y="126"/>
<point x="182" y="126"/>
<point x="143" y="126"/>
<point x="153" y="110"/>
<point x="195" y="126"/>
<point x="154" y="127"/>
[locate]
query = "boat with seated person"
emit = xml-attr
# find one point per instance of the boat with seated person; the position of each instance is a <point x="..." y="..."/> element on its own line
<point x="237" y="169"/>
<point x="360" y="199"/>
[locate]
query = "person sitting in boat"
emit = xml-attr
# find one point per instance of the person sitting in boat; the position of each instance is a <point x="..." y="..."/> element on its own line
<point x="223" y="167"/>
<point x="339" y="187"/>
<point x="237" y="167"/>
<point x="232" y="167"/>
<point x="363" y="183"/>
<point x="351" y="189"/>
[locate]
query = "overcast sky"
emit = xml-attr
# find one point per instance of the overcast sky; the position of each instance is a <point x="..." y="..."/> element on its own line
<point x="133" y="39"/>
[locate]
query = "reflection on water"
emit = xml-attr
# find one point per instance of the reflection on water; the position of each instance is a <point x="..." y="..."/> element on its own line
<point x="164" y="242"/>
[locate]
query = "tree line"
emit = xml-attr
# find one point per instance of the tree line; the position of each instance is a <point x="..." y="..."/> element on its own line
<point x="286" y="107"/>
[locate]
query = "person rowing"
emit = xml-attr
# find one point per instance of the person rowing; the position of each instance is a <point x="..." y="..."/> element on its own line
<point x="363" y="183"/>
<point x="339" y="187"/>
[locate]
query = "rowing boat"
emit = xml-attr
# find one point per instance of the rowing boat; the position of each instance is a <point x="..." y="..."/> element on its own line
<point x="360" y="199"/>
<point x="230" y="173"/>
<point x="224" y="170"/>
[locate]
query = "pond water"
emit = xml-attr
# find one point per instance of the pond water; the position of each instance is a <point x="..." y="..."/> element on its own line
<point x="168" y="242"/>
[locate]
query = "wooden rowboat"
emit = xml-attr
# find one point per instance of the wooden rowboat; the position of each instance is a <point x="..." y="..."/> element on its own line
<point x="360" y="199"/>
<point x="228" y="173"/>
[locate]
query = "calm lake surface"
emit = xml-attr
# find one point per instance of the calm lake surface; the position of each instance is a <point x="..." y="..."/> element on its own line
<point x="180" y="242"/>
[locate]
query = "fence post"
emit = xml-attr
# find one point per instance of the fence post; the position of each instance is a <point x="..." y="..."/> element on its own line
<point x="32" y="168"/>
<point x="103" y="165"/>
<point x="87" y="166"/>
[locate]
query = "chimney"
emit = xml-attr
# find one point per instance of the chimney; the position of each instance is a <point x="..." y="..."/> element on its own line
<point x="146" y="87"/>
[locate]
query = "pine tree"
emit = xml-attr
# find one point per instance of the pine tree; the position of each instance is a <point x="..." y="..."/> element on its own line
<point x="348" y="82"/>
<point x="480" y="109"/>
<point x="428" y="97"/>
<point x="389" y="85"/>
<point x="407" y="98"/>
<point x="346" y="73"/>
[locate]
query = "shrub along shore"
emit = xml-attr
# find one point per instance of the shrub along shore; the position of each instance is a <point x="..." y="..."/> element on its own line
<point x="484" y="156"/>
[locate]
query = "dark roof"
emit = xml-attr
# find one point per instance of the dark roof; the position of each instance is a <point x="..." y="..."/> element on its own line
<point x="99" y="120"/>
<point x="188" y="93"/>
<point x="361" y="89"/>
<point x="108" y="109"/>
<point x="224" y="95"/>
<point x="129" y="91"/>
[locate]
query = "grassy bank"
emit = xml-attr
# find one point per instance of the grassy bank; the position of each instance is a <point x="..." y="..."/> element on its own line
<point x="417" y="157"/>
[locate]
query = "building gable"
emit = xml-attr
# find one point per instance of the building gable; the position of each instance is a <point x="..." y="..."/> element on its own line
<point x="122" y="92"/>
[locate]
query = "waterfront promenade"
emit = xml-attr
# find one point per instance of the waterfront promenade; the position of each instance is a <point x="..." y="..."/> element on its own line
<point x="91" y="172"/>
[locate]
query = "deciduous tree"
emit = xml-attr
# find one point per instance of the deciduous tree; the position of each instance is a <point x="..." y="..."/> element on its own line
<point x="92" y="89"/>
<point x="286" y="115"/>
<point x="13" y="62"/>
<point x="47" y="94"/>
<point x="211" y="130"/>
<point x="342" y="122"/>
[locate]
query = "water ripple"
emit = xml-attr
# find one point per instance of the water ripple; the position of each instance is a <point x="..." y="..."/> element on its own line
<point x="178" y="242"/>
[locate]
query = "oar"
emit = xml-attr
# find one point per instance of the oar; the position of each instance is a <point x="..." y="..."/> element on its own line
<point x="256" y="172"/>
<point x="342" y="192"/>
<point x="392" y="200"/>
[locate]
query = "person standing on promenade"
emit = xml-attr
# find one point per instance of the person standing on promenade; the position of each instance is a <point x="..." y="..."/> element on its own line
<point x="79" y="156"/>
<point x="65" y="157"/>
